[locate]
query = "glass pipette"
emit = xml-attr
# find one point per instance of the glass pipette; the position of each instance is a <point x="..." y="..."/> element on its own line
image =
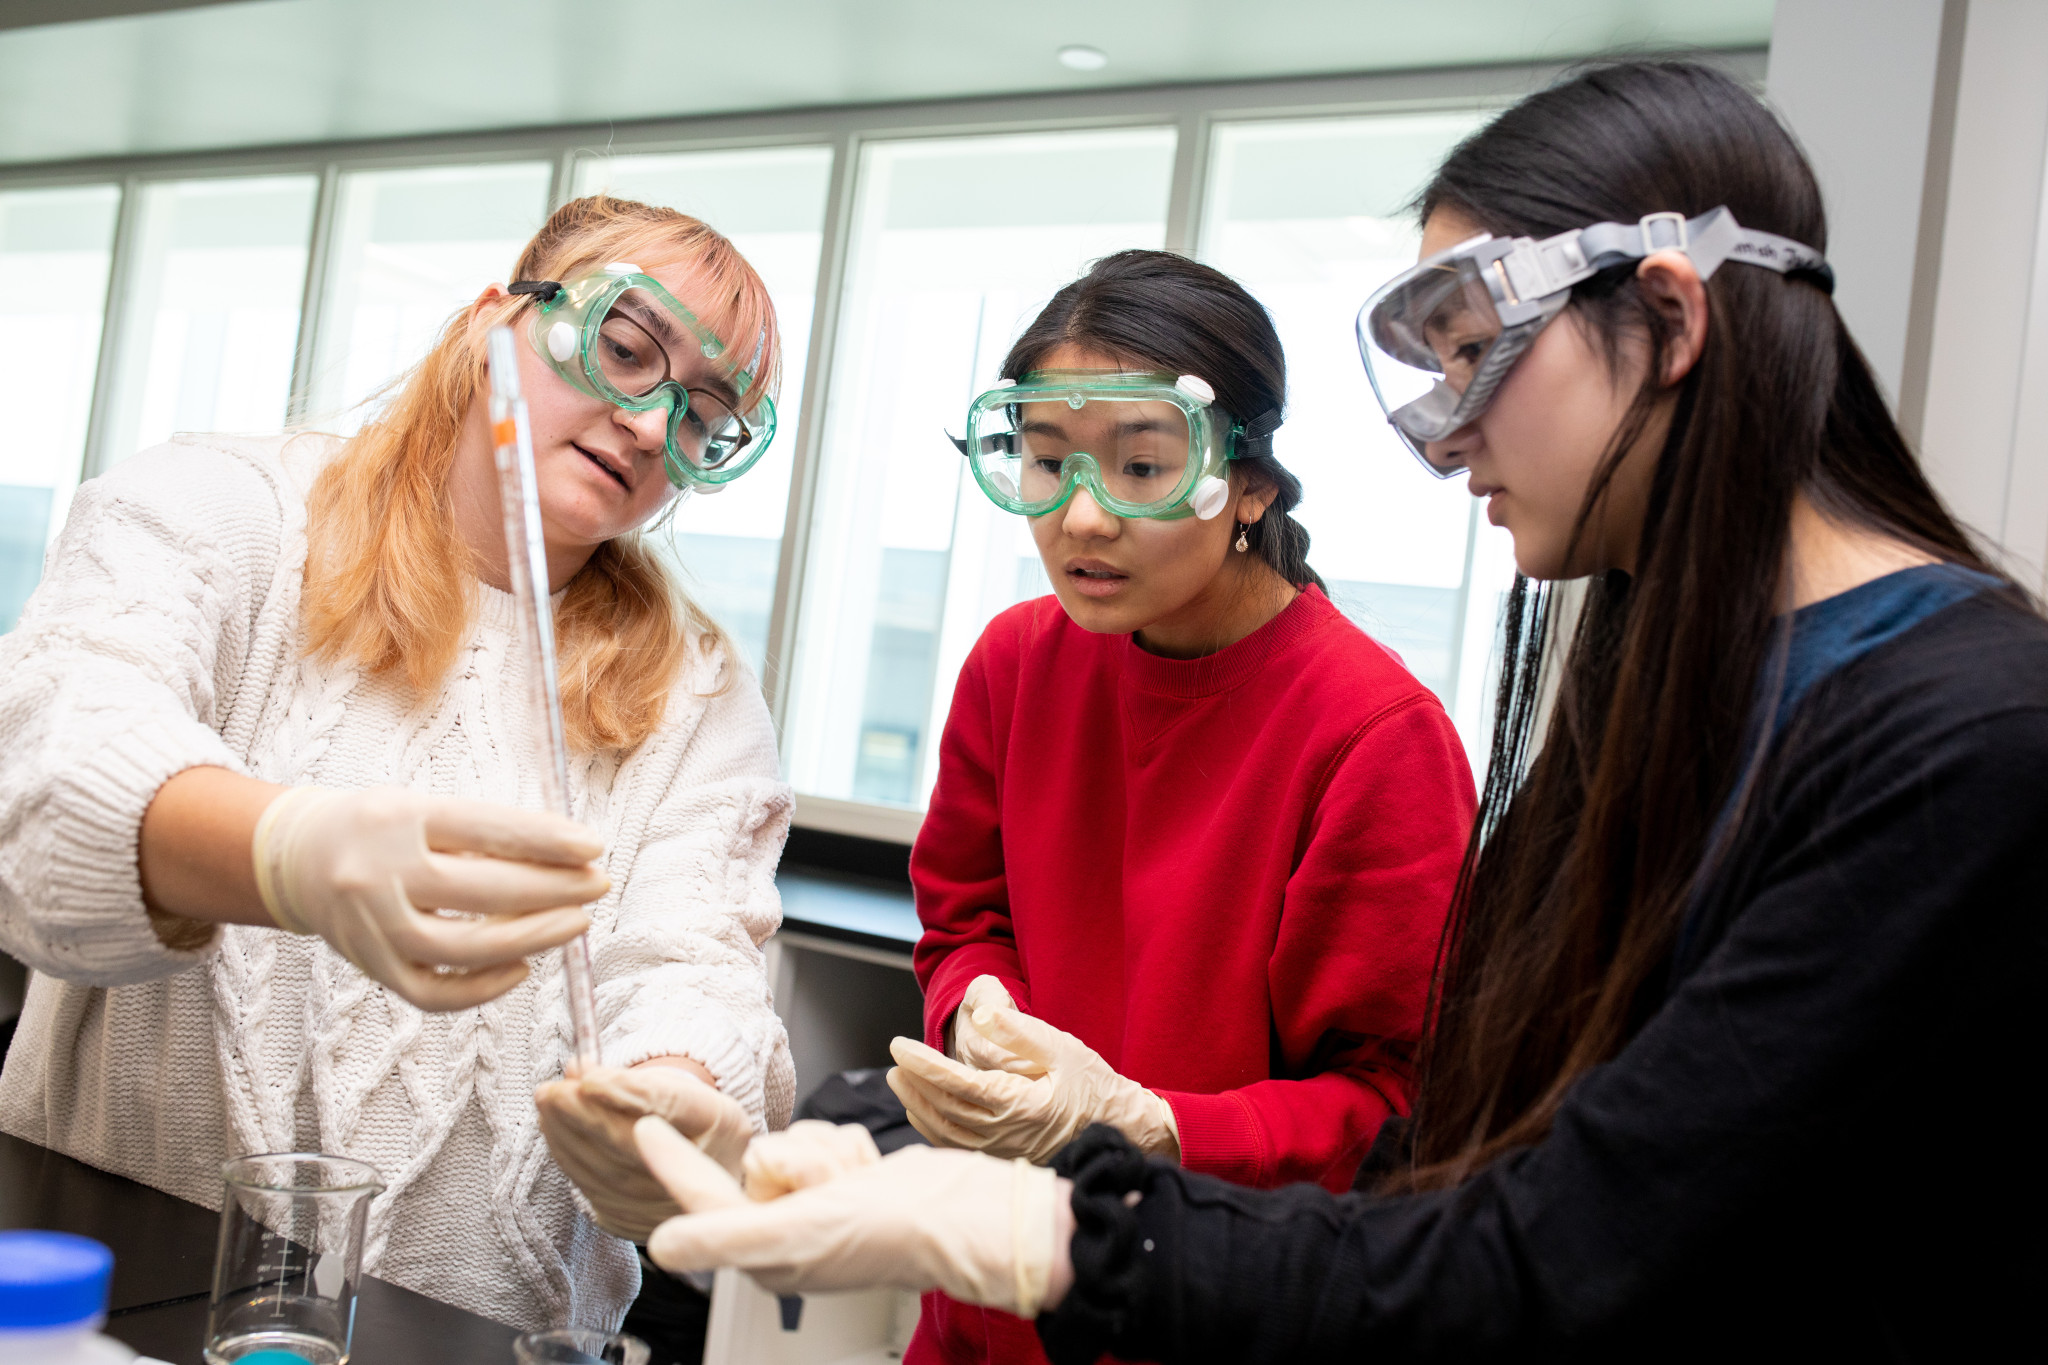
<point x="526" y="552"/>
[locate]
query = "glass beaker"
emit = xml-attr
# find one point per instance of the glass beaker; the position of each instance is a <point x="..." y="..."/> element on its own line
<point x="579" y="1346"/>
<point x="291" y="1252"/>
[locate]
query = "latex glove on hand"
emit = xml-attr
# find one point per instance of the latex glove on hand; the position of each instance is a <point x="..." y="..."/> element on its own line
<point x="1032" y="1117"/>
<point x="971" y="1046"/>
<point x="808" y="1152"/>
<point x="919" y="1219"/>
<point x="367" y="870"/>
<point x="588" y="1123"/>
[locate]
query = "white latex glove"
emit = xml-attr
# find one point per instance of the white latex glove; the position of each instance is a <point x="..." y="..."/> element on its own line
<point x="588" y="1123"/>
<point x="978" y="1228"/>
<point x="1030" y="1117"/>
<point x="971" y="1046"/>
<point x="367" y="870"/>
<point x="808" y="1152"/>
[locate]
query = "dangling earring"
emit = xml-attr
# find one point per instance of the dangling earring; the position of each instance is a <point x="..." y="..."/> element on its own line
<point x="1242" y="543"/>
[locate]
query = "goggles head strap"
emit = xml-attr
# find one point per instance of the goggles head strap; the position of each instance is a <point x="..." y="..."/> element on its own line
<point x="1256" y="441"/>
<point x="1003" y="442"/>
<point x="544" y="290"/>
<point x="1710" y="239"/>
<point x="1532" y="270"/>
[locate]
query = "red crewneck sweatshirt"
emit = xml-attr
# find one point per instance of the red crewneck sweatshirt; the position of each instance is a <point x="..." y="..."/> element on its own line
<point x="1227" y="875"/>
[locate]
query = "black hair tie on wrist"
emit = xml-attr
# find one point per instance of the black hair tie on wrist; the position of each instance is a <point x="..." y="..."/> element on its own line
<point x="1256" y="443"/>
<point x="544" y="290"/>
<point x="1109" y="1271"/>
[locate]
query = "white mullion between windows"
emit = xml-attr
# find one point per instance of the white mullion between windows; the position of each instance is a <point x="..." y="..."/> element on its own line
<point x="562" y="184"/>
<point x="314" y="295"/>
<point x="777" y="666"/>
<point x="1188" y="191"/>
<point x="107" y="369"/>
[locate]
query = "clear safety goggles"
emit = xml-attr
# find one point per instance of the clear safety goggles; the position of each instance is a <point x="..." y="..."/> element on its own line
<point x="1143" y="445"/>
<point x="612" y="333"/>
<point x="1438" y="340"/>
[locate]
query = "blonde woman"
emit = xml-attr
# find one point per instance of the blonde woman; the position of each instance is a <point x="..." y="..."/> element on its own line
<point x="268" y="684"/>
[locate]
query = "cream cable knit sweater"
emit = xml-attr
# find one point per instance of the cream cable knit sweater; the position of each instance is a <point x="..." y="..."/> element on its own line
<point x="165" y="635"/>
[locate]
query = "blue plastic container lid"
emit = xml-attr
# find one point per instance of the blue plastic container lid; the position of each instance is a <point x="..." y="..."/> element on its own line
<point x="52" y="1279"/>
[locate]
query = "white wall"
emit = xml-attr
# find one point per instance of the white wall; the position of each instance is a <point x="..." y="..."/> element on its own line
<point x="1829" y="61"/>
<point x="1983" y="436"/>
<point x="1927" y="121"/>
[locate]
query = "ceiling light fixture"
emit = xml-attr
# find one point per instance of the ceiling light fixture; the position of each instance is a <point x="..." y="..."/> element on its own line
<point x="1080" y="57"/>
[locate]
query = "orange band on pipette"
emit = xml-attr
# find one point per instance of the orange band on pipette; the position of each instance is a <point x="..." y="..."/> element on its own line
<point x="505" y="433"/>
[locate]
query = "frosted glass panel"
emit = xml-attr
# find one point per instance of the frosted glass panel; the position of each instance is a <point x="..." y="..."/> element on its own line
<point x="211" y="321"/>
<point x="771" y="203"/>
<point x="55" y="247"/>
<point x="957" y="244"/>
<point x="1312" y="216"/>
<point x="409" y="249"/>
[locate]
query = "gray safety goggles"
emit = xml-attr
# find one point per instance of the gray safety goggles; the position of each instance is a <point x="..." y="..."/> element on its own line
<point x="1438" y="339"/>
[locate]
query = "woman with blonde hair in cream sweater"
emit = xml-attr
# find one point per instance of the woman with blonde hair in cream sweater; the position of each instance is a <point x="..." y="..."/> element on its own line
<point x="264" y="721"/>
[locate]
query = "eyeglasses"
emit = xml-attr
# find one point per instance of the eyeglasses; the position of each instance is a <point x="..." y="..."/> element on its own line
<point x="601" y="334"/>
<point x="635" y="363"/>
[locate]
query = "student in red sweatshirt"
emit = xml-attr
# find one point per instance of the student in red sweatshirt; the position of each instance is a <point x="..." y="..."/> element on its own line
<point x="1194" y="833"/>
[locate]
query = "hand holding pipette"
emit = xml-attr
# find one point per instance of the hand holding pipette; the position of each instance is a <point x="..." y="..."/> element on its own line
<point x="588" y="1123"/>
<point x="368" y="870"/>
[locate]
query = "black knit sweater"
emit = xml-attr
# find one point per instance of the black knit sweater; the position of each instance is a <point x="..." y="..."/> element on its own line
<point x="1817" y="1146"/>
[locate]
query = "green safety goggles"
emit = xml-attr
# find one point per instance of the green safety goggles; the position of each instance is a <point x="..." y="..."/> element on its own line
<point x="611" y="334"/>
<point x="1143" y="445"/>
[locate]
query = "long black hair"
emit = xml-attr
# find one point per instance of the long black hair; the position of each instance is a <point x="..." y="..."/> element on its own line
<point x="1585" y="855"/>
<point x="1157" y="311"/>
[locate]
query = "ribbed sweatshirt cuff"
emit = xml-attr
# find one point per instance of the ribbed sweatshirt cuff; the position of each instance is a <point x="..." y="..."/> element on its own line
<point x="92" y="926"/>
<point x="945" y="997"/>
<point x="708" y="1035"/>
<point x="938" y="1008"/>
<point x="1220" y="1136"/>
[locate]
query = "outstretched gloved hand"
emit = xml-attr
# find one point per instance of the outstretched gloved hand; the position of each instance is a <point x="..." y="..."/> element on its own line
<point x="588" y="1123"/>
<point x="367" y="870"/>
<point x="808" y="1152"/>
<point x="1006" y="1114"/>
<point x="982" y="1230"/>
<point x="969" y="1045"/>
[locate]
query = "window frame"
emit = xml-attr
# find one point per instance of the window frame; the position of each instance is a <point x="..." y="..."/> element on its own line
<point x="1192" y="110"/>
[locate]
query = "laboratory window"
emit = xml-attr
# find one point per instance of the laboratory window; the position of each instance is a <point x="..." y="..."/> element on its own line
<point x="956" y="244"/>
<point x="210" y="321"/>
<point x="409" y="249"/>
<point x="1312" y="215"/>
<point x="951" y="244"/>
<point x="56" y="246"/>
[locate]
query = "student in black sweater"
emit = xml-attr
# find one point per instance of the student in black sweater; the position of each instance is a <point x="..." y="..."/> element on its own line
<point x="1735" y="1025"/>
